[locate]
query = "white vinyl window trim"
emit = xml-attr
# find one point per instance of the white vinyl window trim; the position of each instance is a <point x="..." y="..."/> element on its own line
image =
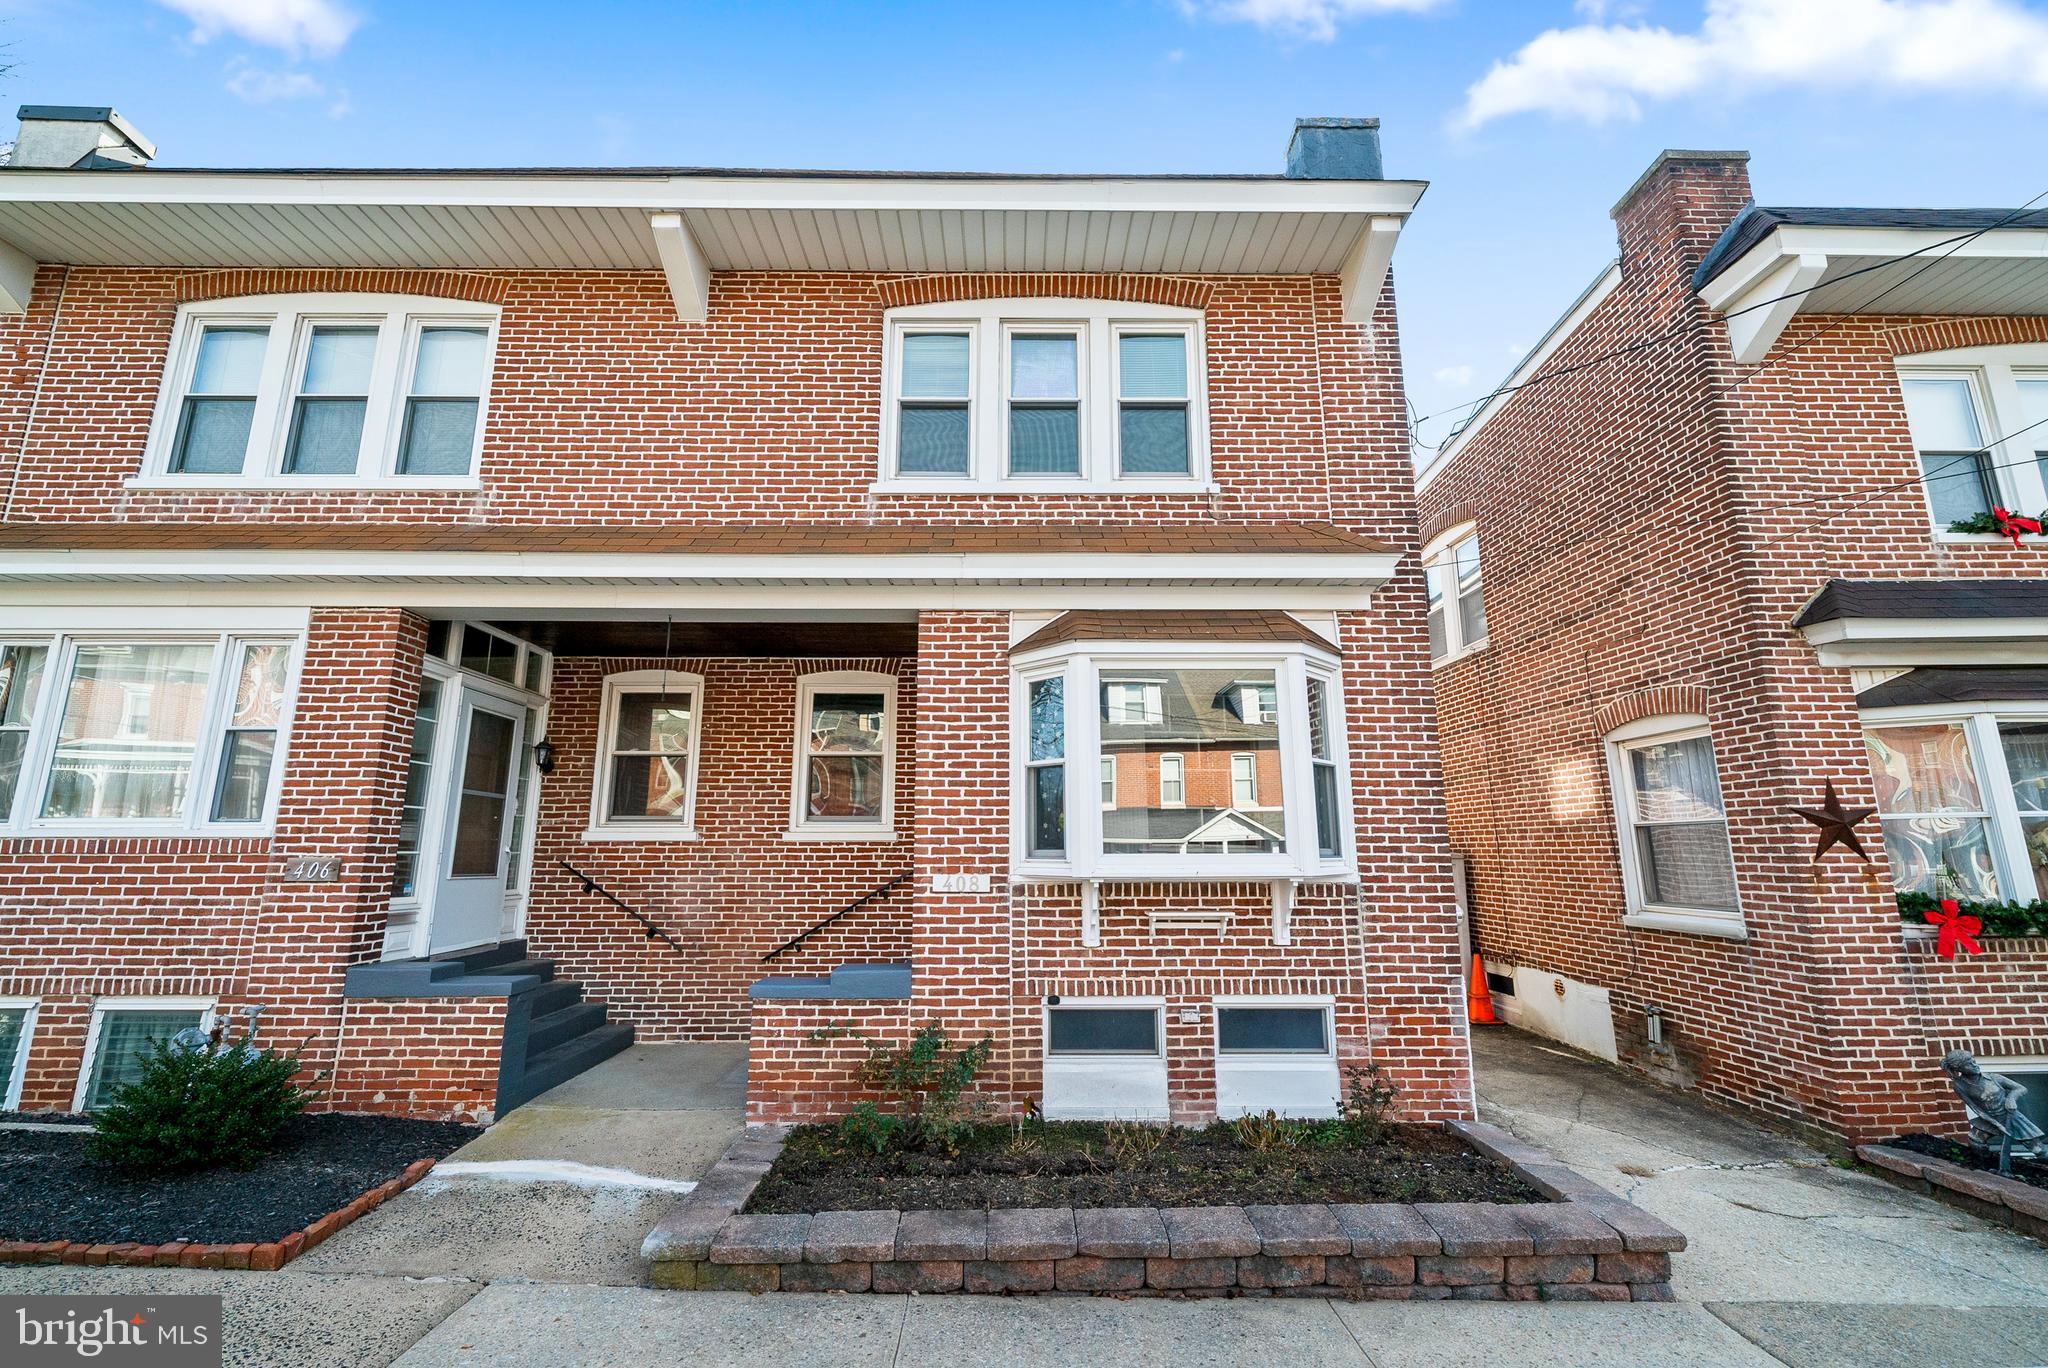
<point x="104" y="1007"/>
<point x="1641" y="912"/>
<point x="1080" y="665"/>
<point x="988" y="324"/>
<point x="2010" y="861"/>
<point x="2019" y="464"/>
<point x="675" y="684"/>
<point x="803" y="826"/>
<point x="17" y="1070"/>
<point x="1446" y="596"/>
<point x="24" y="817"/>
<point x="398" y="320"/>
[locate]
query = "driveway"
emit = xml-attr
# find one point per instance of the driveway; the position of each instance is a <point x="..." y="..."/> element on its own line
<point x="1793" y="1260"/>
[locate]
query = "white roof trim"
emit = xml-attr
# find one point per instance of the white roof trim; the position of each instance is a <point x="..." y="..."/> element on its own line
<point x="1873" y="643"/>
<point x="1529" y="367"/>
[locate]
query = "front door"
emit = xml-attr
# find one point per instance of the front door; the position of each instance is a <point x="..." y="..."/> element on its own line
<point x="469" y="900"/>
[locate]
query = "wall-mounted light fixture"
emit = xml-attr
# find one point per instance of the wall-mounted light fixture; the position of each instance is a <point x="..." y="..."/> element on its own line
<point x="544" y="756"/>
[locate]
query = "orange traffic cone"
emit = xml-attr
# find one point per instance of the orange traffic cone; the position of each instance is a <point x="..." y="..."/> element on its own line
<point x="1478" y="1000"/>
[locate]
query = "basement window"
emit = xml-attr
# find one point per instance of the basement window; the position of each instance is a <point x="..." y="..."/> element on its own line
<point x="123" y="1033"/>
<point x="323" y="391"/>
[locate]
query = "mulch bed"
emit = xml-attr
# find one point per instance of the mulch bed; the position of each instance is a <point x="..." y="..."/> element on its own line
<point x="2030" y="1171"/>
<point x="50" y="1190"/>
<point x="1072" y="1164"/>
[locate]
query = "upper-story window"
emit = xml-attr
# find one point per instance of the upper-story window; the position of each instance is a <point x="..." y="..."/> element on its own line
<point x="1457" y="610"/>
<point x="1042" y="396"/>
<point x="323" y="390"/>
<point x="1979" y="420"/>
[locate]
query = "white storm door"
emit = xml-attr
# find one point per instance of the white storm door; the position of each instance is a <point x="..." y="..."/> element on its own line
<point x="469" y="899"/>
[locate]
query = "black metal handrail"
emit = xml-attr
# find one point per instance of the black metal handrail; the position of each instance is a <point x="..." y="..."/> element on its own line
<point x="591" y="885"/>
<point x="862" y="901"/>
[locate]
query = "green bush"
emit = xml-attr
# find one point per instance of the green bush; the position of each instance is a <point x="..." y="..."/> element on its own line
<point x="1368" y="1105"/>
<point x="193" y="1109"/>
<point x="870" y="1128"/>
<point x="1999" y="918"/>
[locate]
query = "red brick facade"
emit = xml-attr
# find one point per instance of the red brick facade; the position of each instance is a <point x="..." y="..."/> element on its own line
<point x="1650" y="525"/>
<point x="604" y="409"/>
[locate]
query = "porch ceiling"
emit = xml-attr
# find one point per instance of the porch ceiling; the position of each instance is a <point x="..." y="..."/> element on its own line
<point x="651" y="638"/>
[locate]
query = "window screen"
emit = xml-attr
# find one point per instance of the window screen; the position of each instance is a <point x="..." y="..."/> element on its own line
<point x="1272" y="1030"/>
<point x="1102" y="1030"/>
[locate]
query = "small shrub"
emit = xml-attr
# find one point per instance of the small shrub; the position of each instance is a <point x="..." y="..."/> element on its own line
<point x="1132" y="1142"/>
<point x="1368" y="1106"/>
<point x="924" y="1078"/>
<point x="869" y="1128"/>
<point x="1262" y="1132"/>
<point x="222" y="1106"/>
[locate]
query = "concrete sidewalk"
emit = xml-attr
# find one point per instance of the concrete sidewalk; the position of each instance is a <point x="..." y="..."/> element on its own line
<point x="1793" y="1260"/>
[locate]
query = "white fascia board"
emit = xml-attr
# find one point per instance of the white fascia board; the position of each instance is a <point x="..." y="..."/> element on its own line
<point x="1874" y="643"/>
<point x="1530" y="366"/>
<point x="1757" y="317"/>
<point x="1789" y="242"/>
<point x="679" y="192"/>
<point x="17" y="278"/>
<point x="1364" y="275"/>
<point x="689" y="278"/>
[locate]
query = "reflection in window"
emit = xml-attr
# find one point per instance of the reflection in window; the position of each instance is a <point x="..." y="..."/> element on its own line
<point x="426" y="725"/>
<point x="1932" y="809"/>
<point x="1218" y="789"/>
<point x="650" y="757"/>
<point x="846" y="749"/>
<point x="1046" y="769"/>
<point x="130" y="730"/>
<point x="21" y="679"/>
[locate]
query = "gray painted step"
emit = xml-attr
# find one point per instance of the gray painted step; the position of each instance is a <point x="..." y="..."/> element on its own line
<point x="559" y="1027"/>
<point x="543" y="969"/>
<point x="565" y="1061"/>
<point x="488" y="958"/>
<point x="554" y="995"/>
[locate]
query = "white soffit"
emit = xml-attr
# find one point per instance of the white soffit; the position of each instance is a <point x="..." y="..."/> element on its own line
<point x="766" y="222"/>
<point x="1917" y="271"/>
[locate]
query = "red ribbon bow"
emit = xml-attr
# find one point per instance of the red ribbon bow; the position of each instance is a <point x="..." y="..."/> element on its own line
<point x="1957" y="931"/>
<point x="2012" y="524"/>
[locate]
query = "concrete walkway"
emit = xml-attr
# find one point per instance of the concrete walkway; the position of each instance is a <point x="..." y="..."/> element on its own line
<point x="1793" y="1260"/>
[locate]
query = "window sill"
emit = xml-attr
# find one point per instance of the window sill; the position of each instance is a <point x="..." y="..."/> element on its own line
<point x="845" y="833"/>
<point x="1691" y="923"/>
<point x="1042" y="486"/>
<point x="1987" y="539"/>
<point x="1462" y="653"/>
<point x="285" y="484"/>
<point x="1028" y="872"/>
<point x="646" y="833"/>
<point x="94" y="831"/>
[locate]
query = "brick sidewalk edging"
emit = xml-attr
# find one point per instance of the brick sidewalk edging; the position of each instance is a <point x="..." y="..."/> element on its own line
<point x="2008" y="1201"/>
<point x="1584" y="1244"/>
<point x="261" y="1258"/>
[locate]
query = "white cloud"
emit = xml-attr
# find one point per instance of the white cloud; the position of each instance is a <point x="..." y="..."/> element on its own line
<point x="1601" y="71"/>
<point x="1312" y="19"/>
<point x="258" y="86"/>
<point x="319" y="27"/>
<point x="1458" y="376"/>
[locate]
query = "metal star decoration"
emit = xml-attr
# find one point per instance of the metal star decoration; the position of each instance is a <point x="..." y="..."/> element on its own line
<point x="1837" y="824"/>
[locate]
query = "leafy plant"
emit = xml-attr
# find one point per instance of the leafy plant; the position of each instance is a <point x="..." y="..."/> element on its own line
<point x="1262" y="1132"/>
<point x="1368" y="1105"/>
<point x="1983" y="522"/>
<point x="199" y="1107"/>
<point x="924" y="1078"/>
<point x="1999" y="918"/>
<point x="870" y="1128"/>
<point x="1132" y="1142"/>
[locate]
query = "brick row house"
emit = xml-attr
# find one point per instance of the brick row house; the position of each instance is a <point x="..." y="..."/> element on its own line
<point x="467" y="620"/>
<point x="1724" y="539"/>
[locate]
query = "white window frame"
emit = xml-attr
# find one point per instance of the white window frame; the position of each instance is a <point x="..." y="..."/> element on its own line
<point x="1993" y="374"/>
<point x="1082" y="663"/>
<point x="1318" y="1068"/>
<point x="1100" y="1070"/>
<point x="2008" y="841"/>
<point x="1621" y="788"/>
<point x="290" y="318"/>
<point x="1249" y="762"/>
<point x="10" y="1086"/>
<point x="101" y="1007"/>
<point x="1180" y="780"/>
<point x="39" y="752"/>
<point x="1106" y="779"/>
<point x="603" y="826"/>
<point x="988" y="324"/>
<point x="803" y="826"/>
<point x="1440" y="567"/>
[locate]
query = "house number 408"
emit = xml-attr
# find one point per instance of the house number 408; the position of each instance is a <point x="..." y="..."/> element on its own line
<point x="959" y="883"/>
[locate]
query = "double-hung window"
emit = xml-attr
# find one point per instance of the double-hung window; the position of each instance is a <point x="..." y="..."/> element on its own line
<point x="1678" y="867"/>
<point x="1038" y="396"/>
<point x="1962" y="794"/>
<point x="845" y="756"/>
<point x="1229" y="790"/>
<point x="1979" y="424"/>
<point x="646" y="782"/>
<point x="1457" y="608"/>
<point x="323" y="391"/>
<point x="131" y="732"/>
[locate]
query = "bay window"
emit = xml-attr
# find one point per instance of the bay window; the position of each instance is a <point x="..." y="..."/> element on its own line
<point x="1043" y="395"/>
<point x="1237" y="750"/>
<point x="139" y="733"/>
<point x="1962" y="797"/>
<point x="322" y="390"/>
<point x="1678" y="867"/>
<point x="1957" y="404"/>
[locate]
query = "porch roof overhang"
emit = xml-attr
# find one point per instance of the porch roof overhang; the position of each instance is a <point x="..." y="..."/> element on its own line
<point x="1911" y="623"/>
<point x="690" y="222"/>
<point x="594" y="568"/>
<point x="1772" y="264"/>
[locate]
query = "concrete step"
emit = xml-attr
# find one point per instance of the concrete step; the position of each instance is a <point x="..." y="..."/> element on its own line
<point x="565" y="1061"/>
<point x="488" y="959"/>
<point x="559" y="1027"/>
<point x="554" y="995"/>
<point x="543" y="969"/>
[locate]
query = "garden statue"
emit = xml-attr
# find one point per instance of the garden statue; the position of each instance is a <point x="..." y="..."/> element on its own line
<point x="1993" y="1101"/>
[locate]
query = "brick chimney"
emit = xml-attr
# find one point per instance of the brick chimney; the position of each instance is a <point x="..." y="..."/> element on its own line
<point x="1677" y="208"/>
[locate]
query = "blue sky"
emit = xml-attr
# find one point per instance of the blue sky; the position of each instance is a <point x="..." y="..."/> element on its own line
<point x="1528" y="119"/>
